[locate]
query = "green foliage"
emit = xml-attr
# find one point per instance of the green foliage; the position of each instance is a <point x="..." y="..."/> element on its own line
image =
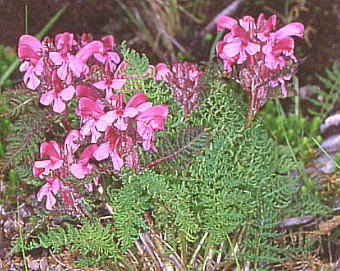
<point x="238" y="186"/>
<point x="135" y="64"/>
<point x="139" y="72"/>
<point x="25" y="174"/>
<point x="18" y="100"/>
<point x="177" y="152"/>
<point x="23" y="141"/>
<point x="326" y="97"/>
<point x="93" y="242"/>
<point x="212" y="177"/>
<point x="128" y="202"/>
<point x="292" y="127"/>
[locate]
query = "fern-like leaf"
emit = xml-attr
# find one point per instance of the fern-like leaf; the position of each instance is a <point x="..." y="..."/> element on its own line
<point x="135" y="64"/>
<point x="175" y="153"/>
<point x="24" y="139"/>
<point x="331" y="94"/>
<point x="18" y="100"/>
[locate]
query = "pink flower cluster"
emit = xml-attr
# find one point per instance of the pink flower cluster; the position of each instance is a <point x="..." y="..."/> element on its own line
<point x="54" y="67"/>
<point x="61" y="163"/>
<point x="183" y="78"/>
<point x="262" y="58"/>
<point x="93" y="73"/>
<point x="124" y="125"/>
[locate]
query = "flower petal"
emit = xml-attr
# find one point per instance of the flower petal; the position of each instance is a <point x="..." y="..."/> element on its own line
<point x="292" y="29"/>
<point x="102" y="152"/>
<point x="225" y="22"/>
<point x="67" y="93"/>
<point x="47" y="98"/>
<point x="59" y="105"/>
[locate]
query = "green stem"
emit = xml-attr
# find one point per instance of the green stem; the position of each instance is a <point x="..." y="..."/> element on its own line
<point x="326" y="153"/>
<point x="26" y="18"/>
<point x="233" y="252"/>
<point x="20" y="232"/>
<point x="184" y="248"/>
<point x="213" y="47"/>
<point x="301" y="168"/>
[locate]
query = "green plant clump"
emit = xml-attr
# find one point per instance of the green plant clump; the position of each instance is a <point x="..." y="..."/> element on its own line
<point x="220" y="207"/>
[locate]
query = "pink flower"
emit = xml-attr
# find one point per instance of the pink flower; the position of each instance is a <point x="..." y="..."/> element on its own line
<point x="70" y="146"/>
<point x="225" y="22"/>
<point x="240" y="46"/>
<point x="51" y="187"/>
<point x="265" y="26"/>
<point x="89" y="50"/>
<point x="58" y="95"/>
<point x="227" y="61"/>
<point x="109" y="85"/>
<point x="110" y="149"/>
<point x="281" y="80"/>
<point x="149" y="120"/>
<point x="64" y="41"/>
<point x="257" y="57"/>
<point x="30" y="50"/>
<point x="121" y="114"/>
<point x="92" y="117"/>
<point x="292" y="29"/>
<point x="66" y="62"/>
<point x="105" y="55"/>
<point x="276" y="54"/>
<point x="83" y="167"/>
<point x="87" y="91"/>
<point x="51" y="149"/>
<point x="281" y="45"/>
<point x="161" y="72"/>
<point x="65" y="59"/>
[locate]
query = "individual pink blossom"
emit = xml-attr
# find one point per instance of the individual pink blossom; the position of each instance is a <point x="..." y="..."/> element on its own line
<point x="83" y="167"/>
<point x="63" y="57"/>
<point x="89" y="50"/>
<point x="227" y="61"/>
<point x="67" y="61"/>
<point x="281" y="45"/>
<point x="240" y="46"/>
<point x="161" y="72"/>
<point x="149" y="120"/>
<point x="58" y="95"/>
<point x="276" y="54"/>
<point x="225" y="22"/>
<point x="120" y="115"/>
<point x="93" y="118"/>
<point x="265" y="27"/>
<point x="110" y="149"/>
<point x="85" y="39"/>
<point x="71" y="144"/>
<point x="109" y="85"/>
<point x="30" y="50"/>
<point x="87" y="91"/>
<point x="281" y="80"/>
<point x="292" y="29"/>
<point x="51" y="149"/>
<point x="51" y="187"/>
<point x="106" y="55"/>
